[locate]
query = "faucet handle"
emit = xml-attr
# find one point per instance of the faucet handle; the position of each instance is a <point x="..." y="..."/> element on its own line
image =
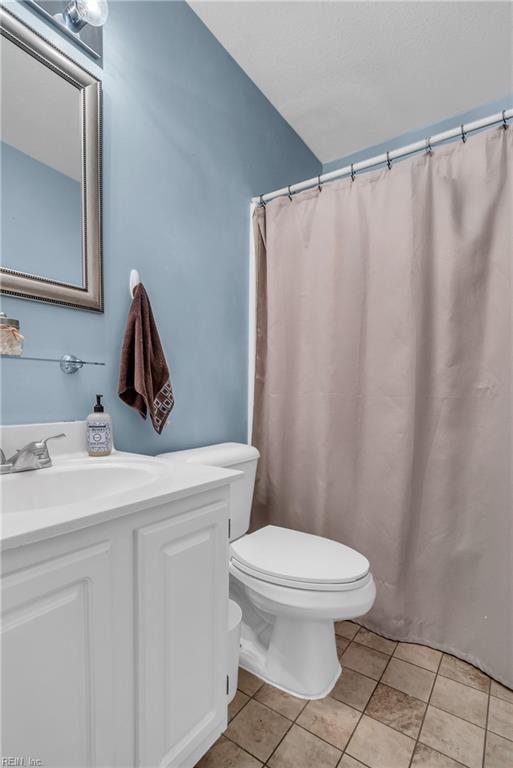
<point x="53" y="437"/>
<point x="41" y="450"/>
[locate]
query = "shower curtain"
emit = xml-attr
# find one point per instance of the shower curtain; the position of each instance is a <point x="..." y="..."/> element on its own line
<point x="383" y="387"/>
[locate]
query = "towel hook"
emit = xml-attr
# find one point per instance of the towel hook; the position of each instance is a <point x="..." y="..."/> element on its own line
<point x="133" y="281"/>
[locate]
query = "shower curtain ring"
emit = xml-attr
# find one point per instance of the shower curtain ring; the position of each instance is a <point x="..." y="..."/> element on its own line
<point x="504" y="121"/>
<point x="319" y="185"/>
<point x="262" y="201"/>
<point x="429" y="148"/>
<point x="353" y="174"/>
<point x="463" y="134"/>
<point x="290" y="194"/>
<point x="389" y="162"/>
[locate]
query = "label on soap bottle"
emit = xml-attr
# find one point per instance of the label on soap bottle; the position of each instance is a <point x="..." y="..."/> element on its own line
<point x="99" y="437"/>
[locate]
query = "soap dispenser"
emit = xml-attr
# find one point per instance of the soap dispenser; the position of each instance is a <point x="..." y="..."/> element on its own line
<point x="99" y="430"/>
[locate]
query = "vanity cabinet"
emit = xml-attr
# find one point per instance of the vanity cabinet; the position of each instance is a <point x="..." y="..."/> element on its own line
<point x="114" y="639"/>
<point x="56" y="659"/>
<point x="182" y="632"/>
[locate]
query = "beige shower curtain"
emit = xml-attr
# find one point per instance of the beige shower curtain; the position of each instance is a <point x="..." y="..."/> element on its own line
<point x="383" y="390"/>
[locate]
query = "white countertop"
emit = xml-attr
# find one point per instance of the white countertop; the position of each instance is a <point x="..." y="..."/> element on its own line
<point x="164" y="482"/>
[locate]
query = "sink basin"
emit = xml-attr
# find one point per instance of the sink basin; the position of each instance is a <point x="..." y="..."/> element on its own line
<point x="76" y="480"/>
<point x="79" y="491"/>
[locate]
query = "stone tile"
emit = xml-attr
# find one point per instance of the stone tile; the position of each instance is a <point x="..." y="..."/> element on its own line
<point x="379" y="746"/>
<point x="425" y="757"/>
<point x="349" y="762"/>
<point x="453" y="737"/>
<point x="301" y="749"/>
<point x="331" y="720"/>
<point x="236" y="704"/>
<point x="499" y="752"/>
<point x="420" y="655"/>
<point x="258" y="729"/>
<point x="462" y="672"/>
<point x="397" y="709"/>
<point x="409" y="679"/>
<point x="371" y="640"/>
<point x="341" y="643"/>
<point x="287" y="705"/>
<point x="500" y="718"/>
<point x="501" y="692"/>
<point x="364" y="660"/>
<point x="460" y="700"/>
<point x="346" y="629"/>
<point x="353" y="689"/>
<point x="226" y="754"/>
<point x="248" y="683"/>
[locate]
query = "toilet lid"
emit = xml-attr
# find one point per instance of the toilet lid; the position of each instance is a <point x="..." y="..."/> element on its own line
<point x="298" y="557"/>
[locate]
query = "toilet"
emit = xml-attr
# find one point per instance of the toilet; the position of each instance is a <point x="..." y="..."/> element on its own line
<point x="290" y="586"/>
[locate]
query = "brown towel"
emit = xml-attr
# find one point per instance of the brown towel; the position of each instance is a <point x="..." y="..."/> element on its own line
<point x="144" y="382"/>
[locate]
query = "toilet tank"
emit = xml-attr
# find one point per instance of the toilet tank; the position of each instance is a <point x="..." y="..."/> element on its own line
<point x="234" y="456"/>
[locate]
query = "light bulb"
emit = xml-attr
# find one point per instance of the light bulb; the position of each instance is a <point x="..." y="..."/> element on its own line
<point x="78" y="13"/>
<point x="93" y="12"/>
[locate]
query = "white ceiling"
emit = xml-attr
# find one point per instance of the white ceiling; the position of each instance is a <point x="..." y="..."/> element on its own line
<point x="347" y="75"/>
<point x="40" y="111"/>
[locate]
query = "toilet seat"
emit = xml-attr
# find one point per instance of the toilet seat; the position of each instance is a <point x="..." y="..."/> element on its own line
<point x="299" y="560"/>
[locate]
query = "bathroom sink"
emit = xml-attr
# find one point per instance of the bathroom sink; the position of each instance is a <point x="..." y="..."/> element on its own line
<point x="77" y="480"/>
<point x="78" y="490"/>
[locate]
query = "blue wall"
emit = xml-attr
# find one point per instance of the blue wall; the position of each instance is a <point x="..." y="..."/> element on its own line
<point x="40" y="215"/>
<point x="188" y="140"/>
<point x="418" y="135"/>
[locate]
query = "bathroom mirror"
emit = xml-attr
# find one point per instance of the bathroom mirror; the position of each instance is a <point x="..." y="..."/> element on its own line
<point x="50" y="172"/>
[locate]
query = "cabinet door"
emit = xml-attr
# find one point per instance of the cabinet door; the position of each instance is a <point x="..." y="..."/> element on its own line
<point x="57" y="659"/>
<point x="182" y="630"/>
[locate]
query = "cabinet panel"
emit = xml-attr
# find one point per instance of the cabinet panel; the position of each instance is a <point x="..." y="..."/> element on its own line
<point x="182" y="620"/>
<point x="57" y="660"/>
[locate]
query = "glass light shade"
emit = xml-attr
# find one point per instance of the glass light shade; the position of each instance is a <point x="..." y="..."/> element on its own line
<point x="93" y="12"/>
<point x="78" y="13"/>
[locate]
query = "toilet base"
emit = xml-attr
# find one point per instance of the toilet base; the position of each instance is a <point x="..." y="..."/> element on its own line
<point x="297" y="694"/>
<point x="300" y="658"/>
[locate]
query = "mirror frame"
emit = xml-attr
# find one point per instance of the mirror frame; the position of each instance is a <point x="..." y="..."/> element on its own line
<point x="16" y="283"/>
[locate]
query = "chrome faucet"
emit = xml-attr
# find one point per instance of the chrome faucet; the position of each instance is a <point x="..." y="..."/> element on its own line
<point x="34" y="455"/>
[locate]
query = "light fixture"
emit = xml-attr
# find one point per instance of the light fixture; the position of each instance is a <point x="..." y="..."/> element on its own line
<point x="80" y="20"/>
<point x="78" y="13"/>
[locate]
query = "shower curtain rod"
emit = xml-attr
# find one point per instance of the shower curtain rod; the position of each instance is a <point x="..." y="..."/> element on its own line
<point x="387" y="157"/>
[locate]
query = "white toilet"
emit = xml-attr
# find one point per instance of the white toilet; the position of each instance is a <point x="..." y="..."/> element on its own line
<point x="290" y="586"/>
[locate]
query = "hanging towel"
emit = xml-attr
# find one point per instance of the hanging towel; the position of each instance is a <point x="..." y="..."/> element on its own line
<point x="144" y="382"/>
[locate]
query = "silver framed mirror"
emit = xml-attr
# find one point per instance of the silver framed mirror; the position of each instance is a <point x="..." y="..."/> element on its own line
<point x="50" y="172"/>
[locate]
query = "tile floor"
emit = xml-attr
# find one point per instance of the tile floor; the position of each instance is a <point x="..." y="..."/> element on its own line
<point x="396" y="705"/>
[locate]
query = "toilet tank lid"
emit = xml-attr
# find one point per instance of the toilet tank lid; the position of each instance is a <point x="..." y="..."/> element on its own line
<point x="220" y="455"/>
